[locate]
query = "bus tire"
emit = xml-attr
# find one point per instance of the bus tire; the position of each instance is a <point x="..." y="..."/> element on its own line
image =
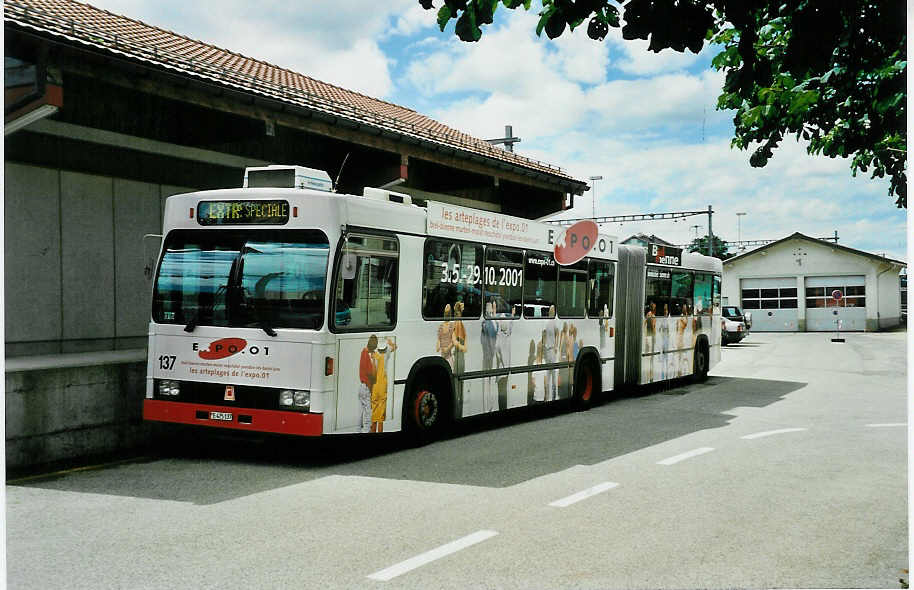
<point x="427" y="410"/>
<point x="701" y="361"/>
<point x="586" y="384"/>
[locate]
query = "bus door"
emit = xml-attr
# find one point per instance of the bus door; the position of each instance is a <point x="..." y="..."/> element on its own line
<point x="365" y="315"/>
<point x="365" y="381"/>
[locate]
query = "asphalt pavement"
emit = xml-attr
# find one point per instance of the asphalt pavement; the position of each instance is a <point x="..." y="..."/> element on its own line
<point x="786" y="468"/>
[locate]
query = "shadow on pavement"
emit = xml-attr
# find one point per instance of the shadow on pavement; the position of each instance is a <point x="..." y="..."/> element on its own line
<point x="491" y="451"/>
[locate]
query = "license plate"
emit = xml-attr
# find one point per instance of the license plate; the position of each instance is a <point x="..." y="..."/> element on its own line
<point x="227" y="416"/>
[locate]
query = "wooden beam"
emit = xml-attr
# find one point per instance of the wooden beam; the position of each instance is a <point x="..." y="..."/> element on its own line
<point x="237" y="102"/>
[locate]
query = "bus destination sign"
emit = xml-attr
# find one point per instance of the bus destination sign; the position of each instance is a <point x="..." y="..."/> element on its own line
<point x="243" y="212"/>
<point x="669" y="255"/>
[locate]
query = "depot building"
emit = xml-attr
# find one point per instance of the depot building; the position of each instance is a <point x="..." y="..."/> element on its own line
<point x="802" y="284"/>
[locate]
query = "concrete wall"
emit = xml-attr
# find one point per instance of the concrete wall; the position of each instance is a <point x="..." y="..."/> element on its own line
<point x="74" y="258"/>
<point x="70" y="412"/>
<point x="889" y="296"/>
<point x="802" y="258"/>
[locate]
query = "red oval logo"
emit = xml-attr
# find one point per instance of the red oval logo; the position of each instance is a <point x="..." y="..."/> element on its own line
<point x="579" y="240"/>
<point x="219" y="349"/>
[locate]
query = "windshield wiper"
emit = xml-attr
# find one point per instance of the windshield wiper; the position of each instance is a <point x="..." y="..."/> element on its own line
<point x="252" y="302"/>
<point x="209" y="309"/>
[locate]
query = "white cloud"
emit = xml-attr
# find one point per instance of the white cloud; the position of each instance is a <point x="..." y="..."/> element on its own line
<point x="668" y="99"/>
<point x="646" y="122"/>
<point x="632" y="56"/>
<point x="336" y="43"/>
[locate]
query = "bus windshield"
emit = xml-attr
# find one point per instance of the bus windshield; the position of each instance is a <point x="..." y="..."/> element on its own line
<point x="251" y="278"/>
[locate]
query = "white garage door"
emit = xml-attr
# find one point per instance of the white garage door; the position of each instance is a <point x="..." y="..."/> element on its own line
<point x="772" y="303"/>
<point x="822" y="310"/>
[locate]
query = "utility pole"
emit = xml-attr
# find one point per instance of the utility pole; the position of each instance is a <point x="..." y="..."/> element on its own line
<point x="710" y="233"/>
<point x="739" y="232"/>
<point x="593" y="188"/>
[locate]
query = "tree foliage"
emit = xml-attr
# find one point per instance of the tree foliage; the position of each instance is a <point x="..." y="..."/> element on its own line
<point x="831" y="72"/>
<point x="700" y="245"/>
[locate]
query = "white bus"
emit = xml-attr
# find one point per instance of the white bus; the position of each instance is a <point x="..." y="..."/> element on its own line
<point x="301" y="311"/>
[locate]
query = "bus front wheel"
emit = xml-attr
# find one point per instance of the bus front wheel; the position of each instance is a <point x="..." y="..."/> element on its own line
<point x="426" y="412"/>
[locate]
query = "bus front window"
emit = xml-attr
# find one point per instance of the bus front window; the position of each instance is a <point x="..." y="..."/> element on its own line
<point x="283" y="284"/>
<point x="254" y="278"/>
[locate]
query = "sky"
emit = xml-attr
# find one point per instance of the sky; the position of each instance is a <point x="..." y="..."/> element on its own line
<point x="646" y="122"/>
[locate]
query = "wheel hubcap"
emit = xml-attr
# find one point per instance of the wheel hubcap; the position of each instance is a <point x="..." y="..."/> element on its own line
<point x="588" y="385"/>
<point x="426" y="409"/>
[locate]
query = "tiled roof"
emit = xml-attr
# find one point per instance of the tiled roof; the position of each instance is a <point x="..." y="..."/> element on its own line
<point x="92" y="26"/>
<point x="799" y="236"/>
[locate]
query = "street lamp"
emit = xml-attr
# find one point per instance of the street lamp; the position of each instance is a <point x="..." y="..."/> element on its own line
<point x="593" y="187"/>
<point x="739" y="233"/>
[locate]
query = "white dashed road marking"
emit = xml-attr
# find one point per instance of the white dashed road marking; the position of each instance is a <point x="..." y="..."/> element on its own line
<point x="429" y="556"/>
<point x="684" y="456"/>
<point x="887" y="424"/>
<point x="771" y="432"/>
<point x="583" y="495"/>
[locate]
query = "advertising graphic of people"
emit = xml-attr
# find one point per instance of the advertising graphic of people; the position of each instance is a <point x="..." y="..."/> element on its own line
<point x="503" y="359"/>
<point x="488" y="336"/>
<point x="382" y="359"/>
<point x="682" y="323"/>
<point x="367" y="378"/>
<point x="460" y="349"/>
<point x="550" y="348"/>
<point x="445" y="344"/>
<point x="539" y="382"/>
<point x="531" y="380"/>
<point x="650" y="329"/>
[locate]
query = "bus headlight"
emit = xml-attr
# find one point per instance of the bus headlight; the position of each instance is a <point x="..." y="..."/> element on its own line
<point x="302" y="399"/>
<point x="167" y="387"/>
<point x="286" y="397"/>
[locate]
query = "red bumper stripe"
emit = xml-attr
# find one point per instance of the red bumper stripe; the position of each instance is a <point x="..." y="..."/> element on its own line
<point x="261" y="420"/>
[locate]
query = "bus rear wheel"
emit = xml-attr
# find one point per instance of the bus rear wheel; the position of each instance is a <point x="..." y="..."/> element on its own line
<point x="700" y="364"/>
<point x="585" y="386"/>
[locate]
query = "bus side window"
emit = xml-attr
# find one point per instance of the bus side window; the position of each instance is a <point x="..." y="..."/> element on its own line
<point x="366" y="285"/>
<point x="702" y="294"/>
<point x="572" y="293"/>
<point x="452" y="274"/>
<point x="602" y="287"/>
<point x="716" y="294"/>
<point x="657" y="292"/>
<point x="681" y="293"/>
<point x="539" y="284"/>
<point x="504" y="283"/>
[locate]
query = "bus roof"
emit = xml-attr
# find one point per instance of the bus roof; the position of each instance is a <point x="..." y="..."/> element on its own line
<point x="305" y="208"/>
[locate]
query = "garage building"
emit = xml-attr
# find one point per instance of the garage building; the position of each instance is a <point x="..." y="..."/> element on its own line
<point x="788" y="286"/>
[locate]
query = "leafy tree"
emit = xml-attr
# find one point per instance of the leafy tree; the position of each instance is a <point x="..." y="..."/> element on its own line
<point x="832" y="72"/>
<point x="700" y="245"/>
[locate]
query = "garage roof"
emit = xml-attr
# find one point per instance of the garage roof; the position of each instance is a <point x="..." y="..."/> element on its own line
<point x="799" y="236"/>
<point x="90" y="26"/>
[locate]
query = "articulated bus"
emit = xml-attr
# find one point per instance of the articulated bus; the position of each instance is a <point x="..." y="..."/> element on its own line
<point x="284" y="307"/>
